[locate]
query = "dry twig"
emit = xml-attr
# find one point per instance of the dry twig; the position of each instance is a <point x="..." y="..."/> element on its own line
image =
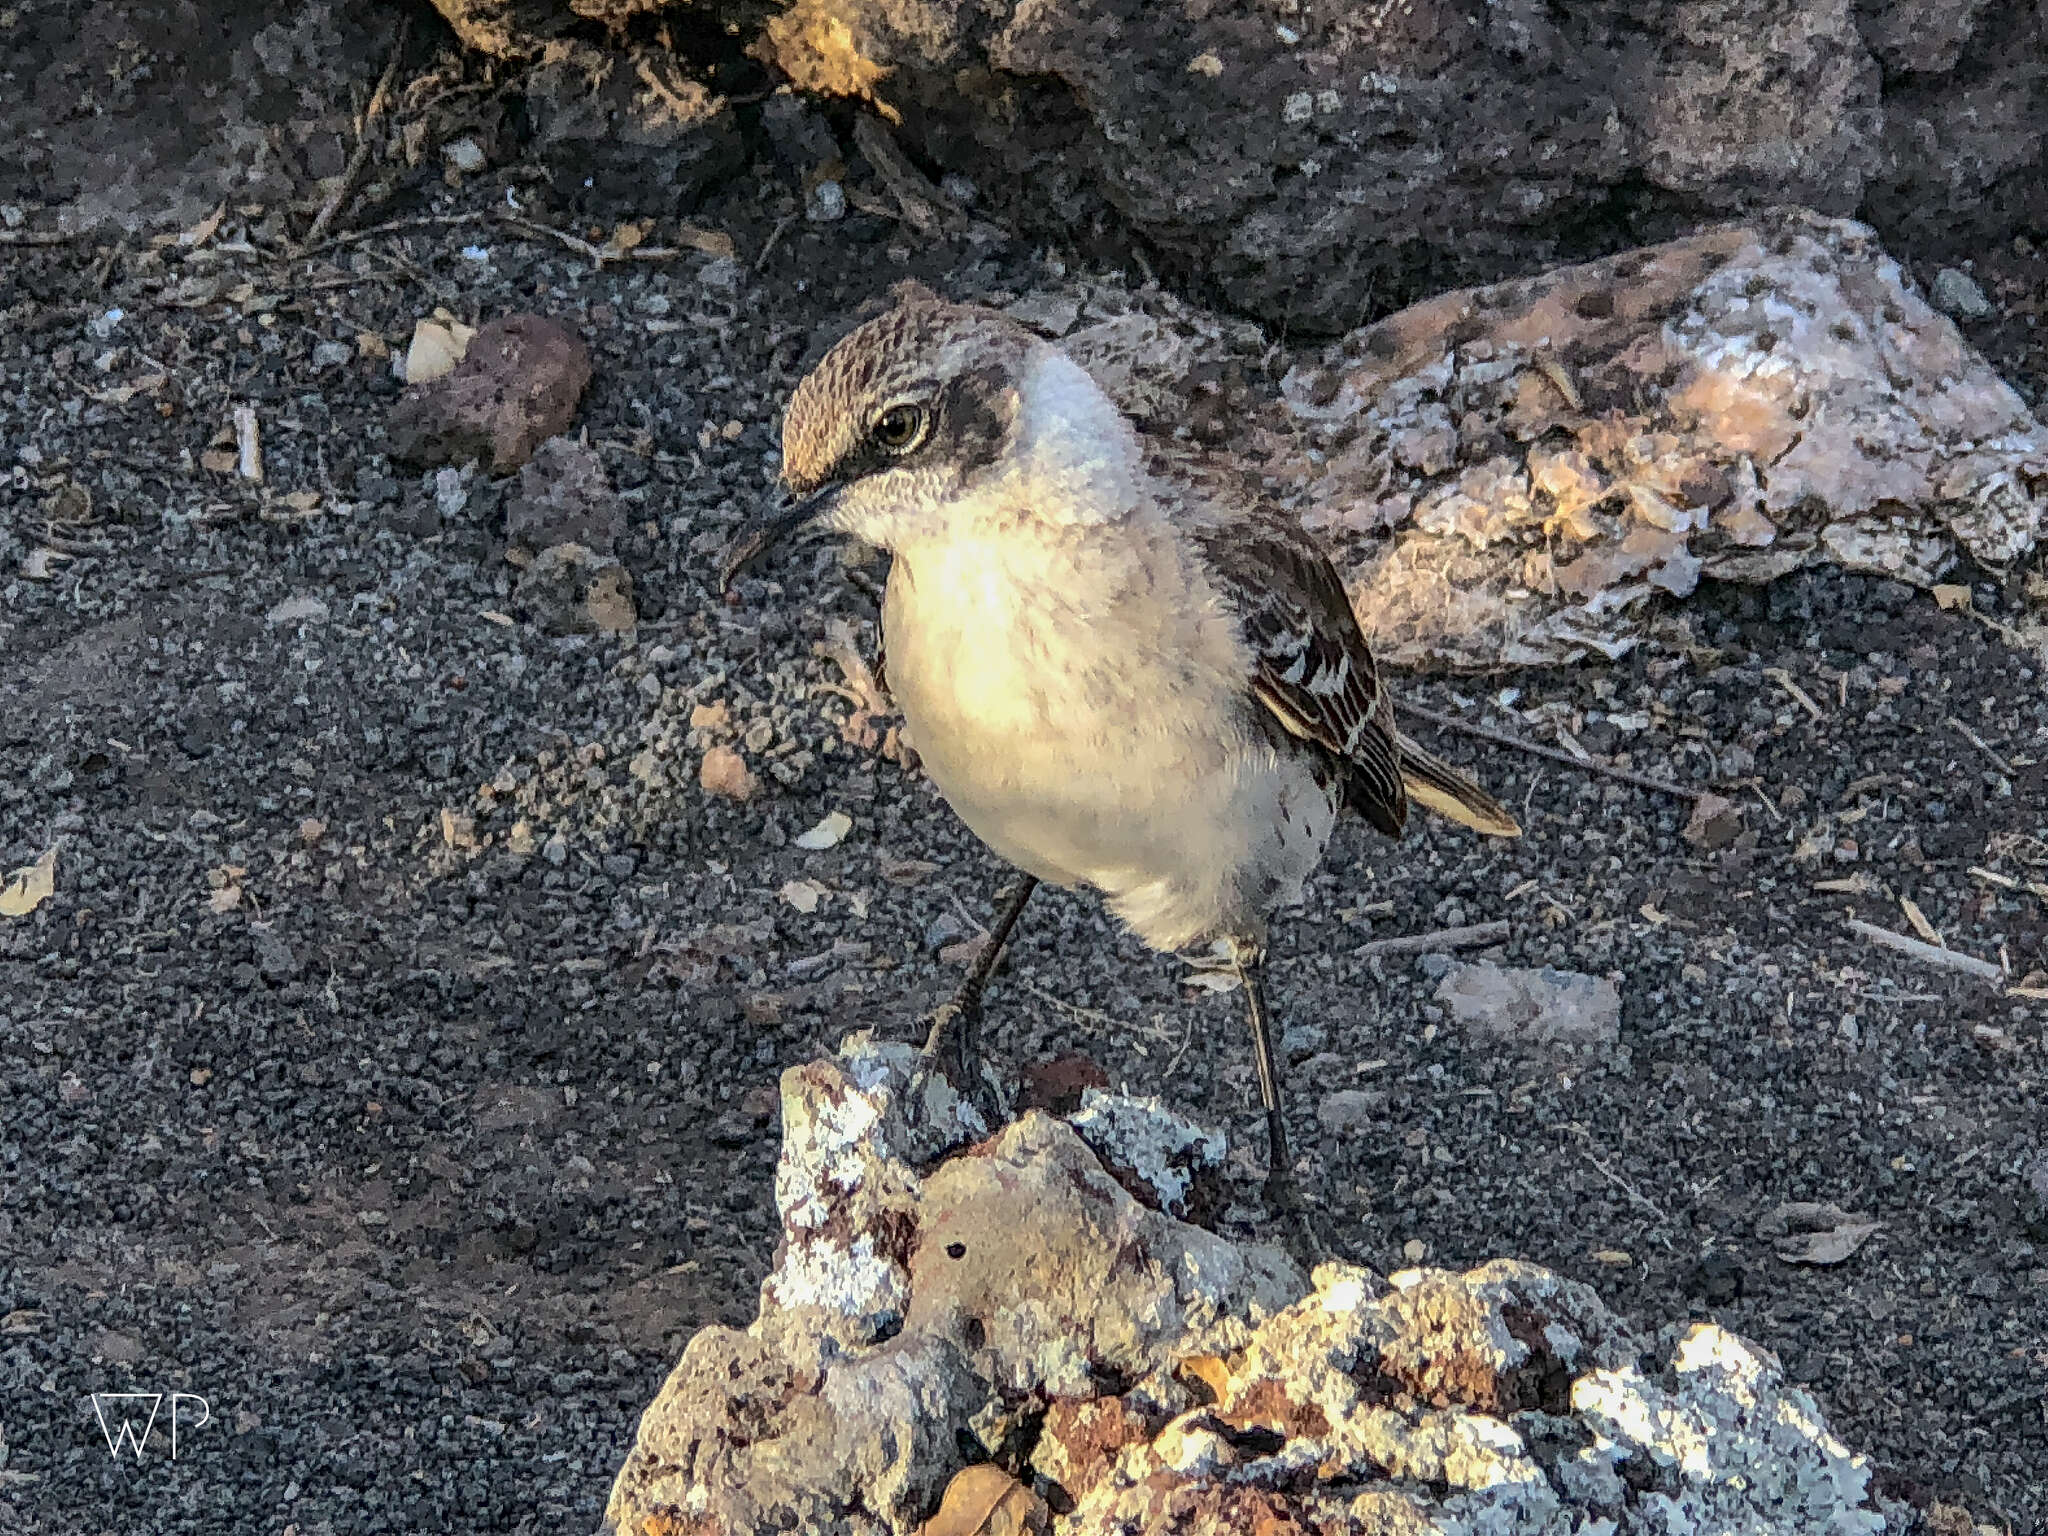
<point x="1948" y="959"/>
<point x="1985" y="747"/>
<point x="1473" y="936"/>
<point x="352" y="172"/>
<point x="1588" y="763"/>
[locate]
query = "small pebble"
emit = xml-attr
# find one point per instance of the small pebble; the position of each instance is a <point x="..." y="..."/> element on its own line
<point x="1956" y="293"/>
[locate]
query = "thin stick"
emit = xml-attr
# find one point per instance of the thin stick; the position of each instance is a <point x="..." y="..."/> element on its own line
<point x="1556" y="755"/>
<point x="1948" y="959"/>
<point x="350" y="173"/>
<point x="1985" y="747"/>
<point x="774" y="237"/>
<point x="390" y="227"/>
<point x="41" y="236"/>
<point x="1474" y="936"/>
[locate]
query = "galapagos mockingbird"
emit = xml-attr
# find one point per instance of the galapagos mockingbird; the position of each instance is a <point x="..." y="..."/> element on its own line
<point x="1113" y="678"/>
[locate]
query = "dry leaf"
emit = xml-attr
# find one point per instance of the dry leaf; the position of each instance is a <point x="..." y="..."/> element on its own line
<point x="828" y="833"/>
<point x="712" y="242"/>
<point x="29" y="887"/>
<point x="370" y="344"/>
<point x="302" y="501"/>
<point x="1613" y="1258"/>
<point x="1947" y="595"/>
<point x="457" y="830"/>
<point x="908" y="871"/>
<point x="630" y="234"/>
<point x="1807" y="1232"/>
<point x="985" y="1500"/>
<point x="226" y="899"/>
<point x="218" y="461"/>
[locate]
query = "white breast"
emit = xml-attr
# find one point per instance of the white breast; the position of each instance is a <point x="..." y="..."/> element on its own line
<point x="1084" y="715"/>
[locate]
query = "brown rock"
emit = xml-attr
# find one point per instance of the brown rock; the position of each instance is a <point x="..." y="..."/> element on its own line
<point x="724" y="772"/>
<point x="517" y="386"/>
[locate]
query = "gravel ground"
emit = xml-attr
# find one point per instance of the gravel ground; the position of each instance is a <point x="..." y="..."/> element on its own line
<point x="417" y="1142"/>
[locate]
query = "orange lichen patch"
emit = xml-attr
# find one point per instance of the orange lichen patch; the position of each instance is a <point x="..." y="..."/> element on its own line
<point x="1265" y="1403"/>
<point x="1081" y="1438"/>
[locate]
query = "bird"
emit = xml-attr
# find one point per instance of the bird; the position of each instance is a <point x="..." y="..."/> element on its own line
<point x="1116" y="678"/>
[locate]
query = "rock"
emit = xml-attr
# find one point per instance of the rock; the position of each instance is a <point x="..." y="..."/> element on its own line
<point x="301" y="608"/>
<point x="571" y="590"/>
<point x="1531" y="1009"/>
<point x="630" y="128"/>
<point x="1554" y="453"/>
<point x="1956" y="293"/>
<point x="939" y="1298"/>
<point x="516" y="386"/>
<point x="725" y="773"/>
<point x="563" y="496"/>
<point x="1715" y="823"/>
<point x="1351" y="1109"/>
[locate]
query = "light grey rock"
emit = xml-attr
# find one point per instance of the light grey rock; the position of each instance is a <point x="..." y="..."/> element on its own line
<point x="1737" y="404"/>
<point x="1956" y="293"/>
<point x="1531" y="1009"/>
<point x="1351" y="1109"/>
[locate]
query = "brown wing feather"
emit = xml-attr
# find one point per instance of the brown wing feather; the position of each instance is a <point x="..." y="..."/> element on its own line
<point x="1313" y="670"/>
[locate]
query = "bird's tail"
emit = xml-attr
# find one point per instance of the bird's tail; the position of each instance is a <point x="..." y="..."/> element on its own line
<point x="1436" y="785"/>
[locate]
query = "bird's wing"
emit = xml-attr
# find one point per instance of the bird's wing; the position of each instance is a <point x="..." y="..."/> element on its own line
<point x="1312" y="669"/>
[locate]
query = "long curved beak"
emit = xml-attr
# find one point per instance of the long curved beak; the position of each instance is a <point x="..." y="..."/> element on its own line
<point x="763" y="533"/>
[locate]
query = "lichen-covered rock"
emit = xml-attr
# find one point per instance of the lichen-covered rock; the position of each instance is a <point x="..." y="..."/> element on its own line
<point x="1738" y="404"/>
<point x="940" y="1298"/>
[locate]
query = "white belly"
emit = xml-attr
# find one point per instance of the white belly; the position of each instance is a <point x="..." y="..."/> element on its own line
<point x="1101" y="750"/>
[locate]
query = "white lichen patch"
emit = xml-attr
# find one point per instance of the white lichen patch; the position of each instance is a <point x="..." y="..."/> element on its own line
<point x="1140" y="1136"/>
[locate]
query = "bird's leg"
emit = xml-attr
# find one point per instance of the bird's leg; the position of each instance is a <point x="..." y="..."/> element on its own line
<point x="1281" y="1193"/>
<point x="955" y="1037"/>
<point x="1306" y="1240"/>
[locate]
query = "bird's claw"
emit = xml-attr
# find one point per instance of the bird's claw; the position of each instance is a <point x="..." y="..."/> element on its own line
<point x="950" y="1045"/>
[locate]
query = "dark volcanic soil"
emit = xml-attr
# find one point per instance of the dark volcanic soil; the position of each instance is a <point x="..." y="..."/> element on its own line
<point x="417" y="1141"/>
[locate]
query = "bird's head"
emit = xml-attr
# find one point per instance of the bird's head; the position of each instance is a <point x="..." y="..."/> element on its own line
<point x="919" y="413"/>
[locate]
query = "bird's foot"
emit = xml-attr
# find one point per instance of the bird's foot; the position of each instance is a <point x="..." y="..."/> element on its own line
<point x="1306" y="1232"/>
<point x="952" y="1045"/>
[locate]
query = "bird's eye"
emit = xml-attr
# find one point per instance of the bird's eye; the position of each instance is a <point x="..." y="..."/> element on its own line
<point x="898" y="428"/>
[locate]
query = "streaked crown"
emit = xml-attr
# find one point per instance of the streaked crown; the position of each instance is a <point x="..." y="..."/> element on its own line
<point x="905" y="355"/>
